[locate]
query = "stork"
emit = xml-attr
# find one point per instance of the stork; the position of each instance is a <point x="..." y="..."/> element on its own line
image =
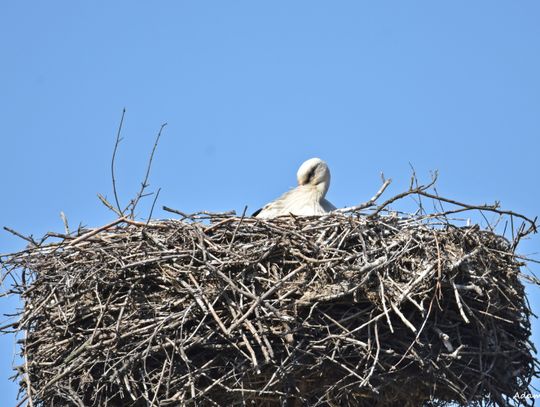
<point x="308" y="198"/>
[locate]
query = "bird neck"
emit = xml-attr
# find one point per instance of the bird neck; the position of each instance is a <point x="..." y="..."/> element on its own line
<point x="319" y="190"/>
<point x="322" y="188"/>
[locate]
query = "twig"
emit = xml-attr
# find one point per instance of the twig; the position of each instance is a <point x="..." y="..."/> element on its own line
<point x="402" y="317"/>
<point x="105" y="202"/>
<point x="176" y="211"/>
<point x="153" y="204"/>
<point x="412" y="191"/>
<point x="65" y="221"/>
<point x="369" y="203"/>
<point x="29" y="239"/>
<point x="144" y="184"/>
<point x="117" y="142"/>
<point x="95" y="232"/>
<point x="29" y="390"/>
<point x="490" y="208"/>
<point x="460" y="306"/>
<point x="237" y="226"/>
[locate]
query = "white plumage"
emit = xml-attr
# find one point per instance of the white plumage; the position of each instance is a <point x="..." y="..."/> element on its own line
<point x="308" y="198"/>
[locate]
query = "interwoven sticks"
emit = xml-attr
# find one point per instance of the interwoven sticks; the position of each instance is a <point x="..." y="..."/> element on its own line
<point x="338" y="310"/>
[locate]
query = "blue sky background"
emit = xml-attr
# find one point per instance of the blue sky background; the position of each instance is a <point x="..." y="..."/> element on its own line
<point x="251" y="89"/>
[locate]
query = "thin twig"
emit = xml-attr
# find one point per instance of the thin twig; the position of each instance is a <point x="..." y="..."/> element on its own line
<point x="144" y="184"/>
<point x="29" y="239"/>
<point x="153" y="204"/>
<point x="369" y="203"/>
<point x="117" y="142"/>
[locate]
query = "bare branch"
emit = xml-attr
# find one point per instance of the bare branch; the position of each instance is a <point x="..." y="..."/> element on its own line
<point x="117" y="142"/>
<point x="29" y="239"/>
<point x="144" y="184"/>
<point x="153" y="204"/>
<point x="369" y="203"/>
<point x="412" y="191"/>
<point x="105" y="202"/>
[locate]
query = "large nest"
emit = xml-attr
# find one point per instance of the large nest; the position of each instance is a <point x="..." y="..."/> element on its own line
<point x="340" y="310"/>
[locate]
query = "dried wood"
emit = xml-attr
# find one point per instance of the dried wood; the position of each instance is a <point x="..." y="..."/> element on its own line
<point x="213" y="309"/>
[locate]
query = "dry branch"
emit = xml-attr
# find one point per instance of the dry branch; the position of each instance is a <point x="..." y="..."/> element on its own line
<point x="344" y="309"/>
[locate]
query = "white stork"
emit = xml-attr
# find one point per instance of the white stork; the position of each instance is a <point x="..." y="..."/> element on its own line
<point x="307" y="198"/>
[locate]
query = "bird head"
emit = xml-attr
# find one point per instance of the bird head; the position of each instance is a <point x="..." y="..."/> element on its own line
<point x="314" y="172"/>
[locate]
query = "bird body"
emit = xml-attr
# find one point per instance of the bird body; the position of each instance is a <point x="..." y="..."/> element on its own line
<point x="308" y="198"/>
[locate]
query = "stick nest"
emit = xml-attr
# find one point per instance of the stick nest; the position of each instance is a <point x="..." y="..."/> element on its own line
<point x="332" y="311"/>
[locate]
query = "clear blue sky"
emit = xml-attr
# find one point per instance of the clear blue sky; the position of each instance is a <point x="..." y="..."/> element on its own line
<point x="250" y="90"/>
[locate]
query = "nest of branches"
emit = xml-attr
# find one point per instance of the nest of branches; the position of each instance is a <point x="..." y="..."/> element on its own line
<point x="349" y="309"/>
